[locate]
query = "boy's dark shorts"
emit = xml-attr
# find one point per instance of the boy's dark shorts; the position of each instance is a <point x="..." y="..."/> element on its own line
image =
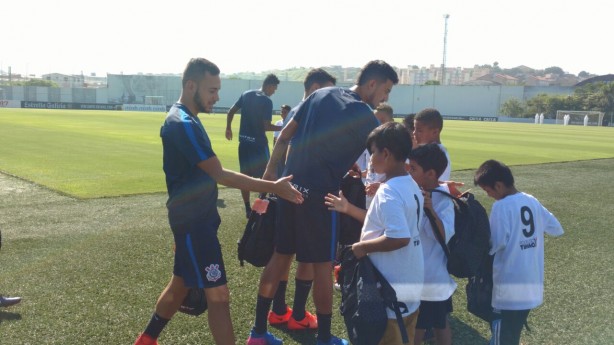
<point x="198" y="256"/>
<point x="507" y="326"/>
<point x="310" y="230"/>
<point x="434" y="314"/>
<point x="253" y="158"/>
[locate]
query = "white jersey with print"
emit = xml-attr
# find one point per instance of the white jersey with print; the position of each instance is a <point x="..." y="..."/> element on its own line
<point x="438" y="285"/>
<point x="517" y="224"/>
<point x="395" y="213"/>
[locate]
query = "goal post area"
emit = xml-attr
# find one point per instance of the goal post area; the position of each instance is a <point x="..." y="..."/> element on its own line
<point x="579" y="118"/>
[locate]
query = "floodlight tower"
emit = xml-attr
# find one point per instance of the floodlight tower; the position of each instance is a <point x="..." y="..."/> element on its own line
<point x="445" y="41"/>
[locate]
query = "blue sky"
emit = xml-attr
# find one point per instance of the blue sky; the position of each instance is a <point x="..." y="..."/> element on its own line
<point x="130" y="36"/>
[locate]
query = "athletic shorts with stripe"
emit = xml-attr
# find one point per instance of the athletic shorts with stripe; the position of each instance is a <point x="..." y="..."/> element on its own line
<point x="198" y="255"/>
<point x="253" y="158"/>
<point x="310" y="230"/>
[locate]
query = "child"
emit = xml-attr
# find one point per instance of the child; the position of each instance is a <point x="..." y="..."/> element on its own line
<point x="517" y="224"/>
<point x="390" y="232"/>
<point x="426" y="163"/>
<point x="428" y="125"/>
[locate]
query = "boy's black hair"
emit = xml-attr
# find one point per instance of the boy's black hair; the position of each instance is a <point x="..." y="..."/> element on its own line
<point x="270" y="79"/>
<point x="196" y="68"/>
<point x="429" y="156"/>
<point x="286" y="107"/>
<point x="392" y="136"/>
<point x="491" y="172"/>
<point x="318" y="75"/>
<point x="408" y="122"/>
<point x="430" y="117"/>
<point x="378" y="70"/>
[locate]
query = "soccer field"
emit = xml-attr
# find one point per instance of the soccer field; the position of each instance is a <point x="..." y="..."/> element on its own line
<point x="90" y="154"/>
<point x="90" y="265"/>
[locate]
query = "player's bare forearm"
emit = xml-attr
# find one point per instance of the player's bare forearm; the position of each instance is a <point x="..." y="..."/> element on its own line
<point x="279" y="151"/>
<point x="380" y="244"/>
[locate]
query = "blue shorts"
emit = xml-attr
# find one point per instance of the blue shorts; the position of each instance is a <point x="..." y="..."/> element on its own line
<point x="253" y="158"/>
<point x="198" y="256"/>
<point x="434" y="314"/>
<point x="310" y="230"/>
<point x="507" y="326"/>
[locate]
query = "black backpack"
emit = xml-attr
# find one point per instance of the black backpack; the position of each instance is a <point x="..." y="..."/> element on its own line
<point x="257" y="243"/>
<point x="469" y="245"/>
<point x="479" y="291"/>
<point x="354" y="191"/>
<point x="365" y="295"/>
<point x="194" y="303"/>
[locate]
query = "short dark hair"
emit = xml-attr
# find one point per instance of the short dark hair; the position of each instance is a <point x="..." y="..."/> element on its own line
<point x="392" y="136"/>
<point x="270" y="79"/>
<point x="430" y="156"/>
<point x="408" y="122"/>
<point x="286" y="107"/>
<point x="378" y="70"/>
<point x="319" y="76"/>
<point x="196" y="68"/>
<point x="430" y="117"/>
<point x="385" y="107"/>
<point x="491" y="172"/>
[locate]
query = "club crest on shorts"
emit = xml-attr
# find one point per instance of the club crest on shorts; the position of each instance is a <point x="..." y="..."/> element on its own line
<point x="213" y="272"/>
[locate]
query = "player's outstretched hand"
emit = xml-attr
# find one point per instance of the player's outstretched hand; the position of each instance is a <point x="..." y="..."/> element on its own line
<point x="334" y="203"/>
<point x="453" y="187"/>
<point x="229" y="134"/>
<point x="285" y="190"/>
<point x="371" y="188"/>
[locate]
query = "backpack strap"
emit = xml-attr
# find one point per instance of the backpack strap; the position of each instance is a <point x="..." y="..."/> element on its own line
<point x="390" y="298"/>
<point x="435" y="228"/>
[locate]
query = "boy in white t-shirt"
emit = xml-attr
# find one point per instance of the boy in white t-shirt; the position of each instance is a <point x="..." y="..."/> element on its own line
<point x="426" y="163"/>
<point x="390" y="233"/>
<point x="518" y="222"/>
<point x="285" y="109"/>
<point x="428" y="124"/>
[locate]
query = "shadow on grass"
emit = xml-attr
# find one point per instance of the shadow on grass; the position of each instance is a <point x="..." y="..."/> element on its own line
<point x="220" y="203"/>
<point x="7" y="316"/>
<point x="464" y="333"/>
<point x="307" y="337"/>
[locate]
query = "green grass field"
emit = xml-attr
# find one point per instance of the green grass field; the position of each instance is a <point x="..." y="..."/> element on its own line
<point x="87" y="245"/>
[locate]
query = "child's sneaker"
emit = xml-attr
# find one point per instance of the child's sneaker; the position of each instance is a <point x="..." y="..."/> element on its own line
<point x="263" y="339"/>
<point x="145" y="339"/>
<point x="276" y="319"/>
<point x="334" y="341"/>
<point x="310" y="321"/>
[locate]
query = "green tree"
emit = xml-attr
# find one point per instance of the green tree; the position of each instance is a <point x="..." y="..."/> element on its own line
<point x="513" y="107"/>
<point x="432" y="82"/>
<point x="554" y="70"/>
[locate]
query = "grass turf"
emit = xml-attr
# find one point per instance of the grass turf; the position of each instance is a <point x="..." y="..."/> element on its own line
<point x="91" y="269"/>
<point x="89" y="154"/>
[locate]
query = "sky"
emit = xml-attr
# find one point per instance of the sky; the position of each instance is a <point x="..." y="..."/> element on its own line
<point x="132" y="36"/>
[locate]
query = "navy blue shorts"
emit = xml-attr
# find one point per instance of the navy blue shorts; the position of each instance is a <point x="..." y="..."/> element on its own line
<point x="434" y="314"/>
<point x="308" y="230"/>
<point x="253" y="158"/>
<point x="507" y="326"/>
<point x="198" y="256"/>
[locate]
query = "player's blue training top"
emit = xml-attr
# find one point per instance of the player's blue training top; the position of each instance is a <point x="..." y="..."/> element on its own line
<point x="192" y="193"/>
<point x="333" y="125"/>
<point x="256" y="107"/>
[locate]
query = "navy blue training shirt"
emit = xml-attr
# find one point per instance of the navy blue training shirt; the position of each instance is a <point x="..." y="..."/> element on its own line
<point x="256" y="107"/>
<point x="333" y="126"/>
<point x="192" y="193"/>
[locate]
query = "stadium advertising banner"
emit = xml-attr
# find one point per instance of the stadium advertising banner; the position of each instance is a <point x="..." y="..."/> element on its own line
<point x="144" y="107"/>
<point x="68" y="105"/>
<point x="65" y="105"/>
<point x="471" y="118"/>
<point x="9" y="103"/>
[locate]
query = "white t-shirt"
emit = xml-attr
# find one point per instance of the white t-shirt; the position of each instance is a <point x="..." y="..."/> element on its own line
<point x="517" y="225"/>
<point x="445" y="175"/>
<point x="395" y="213"/>
<point x="276" y="133"/>
<point x="438" y="285"/>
